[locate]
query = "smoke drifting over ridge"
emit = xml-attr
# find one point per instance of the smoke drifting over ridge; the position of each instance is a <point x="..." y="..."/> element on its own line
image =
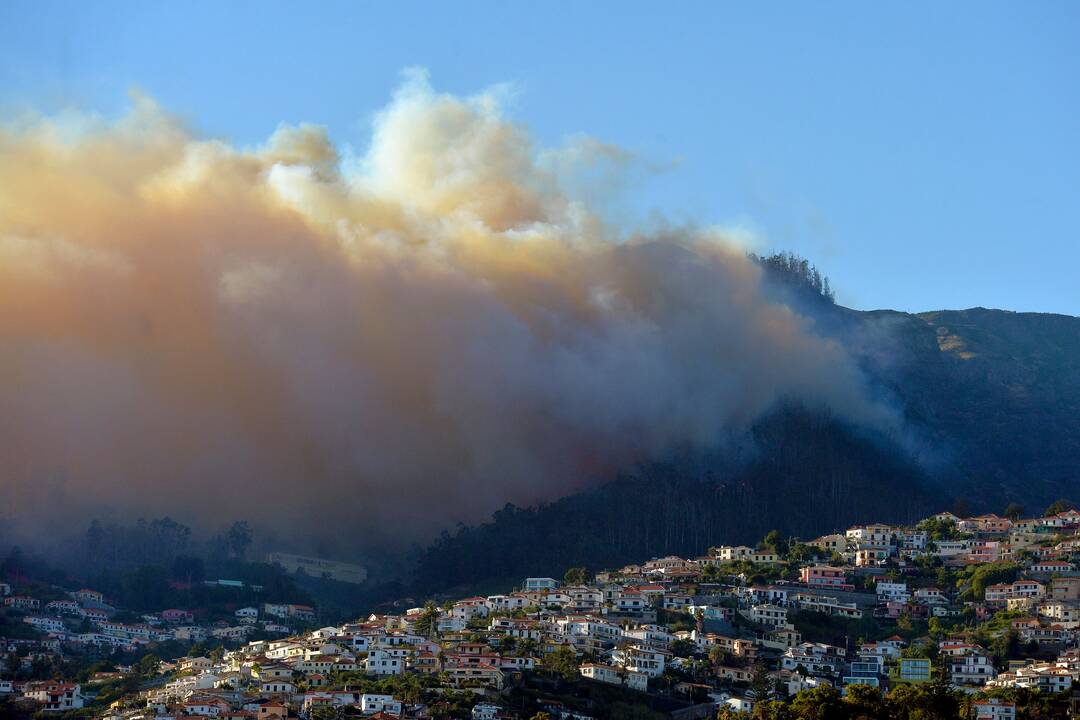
<point x="212" y="332"/>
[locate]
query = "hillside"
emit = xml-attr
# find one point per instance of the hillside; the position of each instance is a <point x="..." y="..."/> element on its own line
<point x="797" y="471"/>
<point x="991" y="407"/>
<point x="993" y="395"/>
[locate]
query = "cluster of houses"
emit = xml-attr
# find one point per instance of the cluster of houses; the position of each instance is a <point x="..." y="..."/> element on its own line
<point x="652" y="628"/>
<point x="49" y="695"/>
<point x="62" y="622"/>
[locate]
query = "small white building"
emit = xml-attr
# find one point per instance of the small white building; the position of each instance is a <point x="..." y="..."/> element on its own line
<point x="247" y="613"/>
<point x="993" y="709"/>
<point x="615" y="676"/>
<point x="739" y="703"/>
<point x="485" y="711"/>
<point x="769" y="615"/>
<point x="371" y="704"/>
<point x="278" y="686"/>
<point x="540" y="583"/>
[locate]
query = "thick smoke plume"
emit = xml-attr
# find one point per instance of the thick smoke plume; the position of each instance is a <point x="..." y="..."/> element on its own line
<point x="379" y="347"/>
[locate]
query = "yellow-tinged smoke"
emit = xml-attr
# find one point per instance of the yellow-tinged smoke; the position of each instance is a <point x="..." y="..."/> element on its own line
<point x="191" y="328"/>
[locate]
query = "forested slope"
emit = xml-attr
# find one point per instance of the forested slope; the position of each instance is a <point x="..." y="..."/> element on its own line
<point x="799" y="472"/>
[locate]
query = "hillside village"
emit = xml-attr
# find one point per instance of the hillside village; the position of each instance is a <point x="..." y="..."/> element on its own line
<point x="977" y="615"/>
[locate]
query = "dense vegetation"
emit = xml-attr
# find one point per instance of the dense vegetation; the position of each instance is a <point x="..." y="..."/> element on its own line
<point x="993" y="396"/>
<point x="800" y="472"/>
<point x="162" y="541"/>
<point x="795" y="276"/>
<point x="933" y="701"/>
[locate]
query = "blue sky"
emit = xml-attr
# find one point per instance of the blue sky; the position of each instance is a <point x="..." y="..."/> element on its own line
<point x="925" y="155"/>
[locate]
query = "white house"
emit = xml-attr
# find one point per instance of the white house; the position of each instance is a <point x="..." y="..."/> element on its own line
<point x="732" y="553"/>
<point x="641" y="659"/>
<point x="769" y="615"/>
<point x="63" y="606"/>
<point x="471" y="608"/>
<point x="1044" y="677"/>
<point x="1052" y="566"/>
<point x="629" y="601"/>
<point x="55" y="696"/>
<point x="380" y="662"/>
<point x="87" y="595"/>
<point x="585" y="598"/>
<point x="930" y="596"/>
<point x="281" y="686"/>
<point x="971" y="669"/>
<point x="874" y="535"/>
<point x="655" y="635"/>
<point x="486" y="711"/>
<point x="814" y="663"/>
<point x="195" y="664"/>
<point x="949" y="548"/>
<point x="46" y="624"/>
<point x="739" y="703"/>
<point x="247" y="613"/>
<point x="1064" y="612"/>
<point x="615" y="676"/>
<point x="278" y="610"/>
<point x="914" y="541"/>
<point x="892" y="591"/>
<point x="371" y="704"/>
<point x="993" y="709"/>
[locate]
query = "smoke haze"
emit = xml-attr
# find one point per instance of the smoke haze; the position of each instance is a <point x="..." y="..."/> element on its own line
<point x="378" y="346"/>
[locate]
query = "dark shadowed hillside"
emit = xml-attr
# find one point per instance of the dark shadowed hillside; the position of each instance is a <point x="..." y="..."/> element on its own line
<point x="799" y="472"/>
<point x="995" y="395"/>
<point x="990" y="398"/>
<point x="990" y="402"/>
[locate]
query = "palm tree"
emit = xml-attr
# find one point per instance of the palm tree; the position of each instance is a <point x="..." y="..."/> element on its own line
<point x="428" y="622"/>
